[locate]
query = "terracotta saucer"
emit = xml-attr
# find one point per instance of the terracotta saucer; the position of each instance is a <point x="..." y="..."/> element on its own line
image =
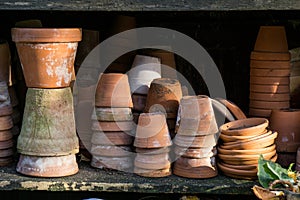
<point x="197" y="141"/>
<point x="241" y="157"/>
<point x="267" y="64"/>
<point x="269" y="96"/>
<point x="6" y="110"/>
<point x="234" y="109"/>
<point x="56" y="166"/>
<point x="239" y="138"/>
<point x="113" y="114"/>
<point x="6" y="122"/>
<point x="111" y="138"/>
<point x="240" y="167"/>
<point x="6" y="135"/>
<point x="269" y="104"/>
<point x="153" y="173"/>
<point x="278" y="89"/>
<point x="246" y="151"/>
<point x="245" y="127"/>
<point x="112" y="126"/>
<point x="111" y="151"/>
<point x="117" y="163"/>
<point x="270" y="72"/>
<point x="238" y="172"/>
<point x="248" y="162"/>
<point x="195" y="152"/>
<point x="270" y="56"/>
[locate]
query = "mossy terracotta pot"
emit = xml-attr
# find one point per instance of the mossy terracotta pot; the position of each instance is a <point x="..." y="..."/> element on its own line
<point x="111" y="138"/>
<point x="271" y="39"/>
<point x="113" y="90"/>
<point x="278" y="89"/>
<point x="117" y="163"/>
<point x="152" y="131"/>
<point x="286" y="123"/>
<point x="244" y="127"/>
<point x="4" y="61"/>
<point x="44" y="131"/>
<point x="164" y="95"/>
<point x="47" y="55"/>
<point x="267" y="64"/>
<point x="54" y="166"/>
<point x="270" y="56"/>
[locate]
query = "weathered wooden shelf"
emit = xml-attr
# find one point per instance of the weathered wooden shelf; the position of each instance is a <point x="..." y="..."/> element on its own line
<point x="91" y="179"/>
<point x="147" y="5"/>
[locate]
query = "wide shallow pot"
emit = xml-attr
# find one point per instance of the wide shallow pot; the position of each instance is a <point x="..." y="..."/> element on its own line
<point x="48" y="127"/>
<point x="238" y="173"/>
<point x="113" y="90"/>
<point x="233" y="138"/>
<point x="47" y="55"/>
<point x="54" y="166"/>
<point x="286" y="123"/>
<point x="271" y="39"/>
<point x="152" y="131"/>
<point x="246" y="151"/>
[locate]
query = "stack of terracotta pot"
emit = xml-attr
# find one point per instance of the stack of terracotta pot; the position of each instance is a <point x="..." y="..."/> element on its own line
<point x="152" y="142"/>
<point x="269" y="72"/>
<point x="164" y="96"/>
<point x="196" y="138"/>
<point x="144" y="70"/>
<point x="243" y="141"/>
<point x="112" y="123"/>
<point x="47" y="143"/>
<point x="6" y="125"/>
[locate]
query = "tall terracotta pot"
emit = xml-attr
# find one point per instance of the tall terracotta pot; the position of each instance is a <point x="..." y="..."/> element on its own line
<point x="47" y="55"/>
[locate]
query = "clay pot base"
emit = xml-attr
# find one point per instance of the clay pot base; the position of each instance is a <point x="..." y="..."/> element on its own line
<point x="111" y="138"/>
<point x="153" y="173"/>
<point x="245" y="127"/>
<point x="246" y="151"/>
<point x="116" y="163"/>
<point x="47" y="166"/>
<point x="250" y="173"/>
<point x="111" y="151"/>
<point x="231" y="138"/>
<point x="113" y="114"/>
<point x="152" y="166"/>
<point x="226" y="158"/>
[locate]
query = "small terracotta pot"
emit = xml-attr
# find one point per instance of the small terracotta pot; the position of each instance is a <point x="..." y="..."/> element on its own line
<point x="6" y="122"/>
<point x="195" y="168"/>
<point x="55" y="166"/>
<point x="269" y="104"/>
<point x="113" y="90"/>
<point x="267" y="64"/>
<point x="243" y="127"/>
<point x="144" y="70"/>
<point x="155" y="162"/>
<point x="269" y="80"/>
<point x="196" y="142"/>
<point x="4" y="61"/>
<point x="257" y="112"/>
<point x="46" y="113"/>
<point x="285" y="122"/>
<point x="116" y="163"/>
<point x="270" y="72"/>
<point x="195" y="152"/>
<point x="113" y="114"/>
<point x="111" y="138"/>
<point x="152" y="131"/>
<point x="197" y="127"/>
<point x="153" y="173"/>
<point x="164" y="96"/>
<point x="49" y="53"/>
<point x="139" y="102"/>
<point x="271" y="39"/>
<point x="270" y="56"/>
<point x="112" y="126"/>
<point x="110" y="151"/>
<point x="196" y="107"/>
<point x="269" y="96"/>
<point x="270" y="88"/>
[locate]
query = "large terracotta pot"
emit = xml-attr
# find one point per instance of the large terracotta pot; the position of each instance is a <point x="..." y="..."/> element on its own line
<point x="270" y="64"/>
<point x="270" y="56"/>
<point x="48" y="127"/>
<point x="47" y="55"/>
<point x="286" y="123"/>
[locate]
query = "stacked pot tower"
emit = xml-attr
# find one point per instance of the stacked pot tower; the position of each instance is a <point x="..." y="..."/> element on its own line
<point x="47" y="146"/>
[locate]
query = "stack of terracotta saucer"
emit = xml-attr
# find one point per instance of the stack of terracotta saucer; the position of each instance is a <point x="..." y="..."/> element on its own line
<point x="269" y="72"/>
<point x="144" y="69"/>
<point x="112" y="123"/>
<point x="6" y="124"/>
<point x="196" y="138"/>
<point x="152" y="142"/>
<point x="164" y="96"/>
<point x="243" y="141"/>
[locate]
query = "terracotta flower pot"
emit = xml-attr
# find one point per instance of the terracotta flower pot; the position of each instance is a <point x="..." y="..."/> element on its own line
<point x="54" y="166"/>
<point x="270" y="56"/>
<point x="117" y="163"/>
<point x="197" y="127"/>
<point x="164" y="96"/>
<point x="153" y="151"/>
<point x="47" y="111"/>
<point x="257" y="112"/>
<point x="110" y="151"/>
<point x="269" y="80"/>
<point x="144" y="70"/>
<point x="47" y="55"/>
<point x="4" y="61"/>
<point x="111" y="138"/>
<point x="267" y="64"/>
<point x="191" y="152"/>
<point x="269" y="104"/>
<point x="112" y="126"/>
<point x="271" y="39"/>
<point x="285" y="122"/>
<point x="113" y="90"/>
<point x="278" y="89"/>
<point x="113" y="114"/>
<point x="155" y="162"/>
<point x="269" y="96"/>
<point x="243" y="127"/>
<point x="196" y="142"/>
<point x="152" y="131"/>
<point x="270" y="72"/>
<point x="6" y="161"/>
<point x="153" y="173"/>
